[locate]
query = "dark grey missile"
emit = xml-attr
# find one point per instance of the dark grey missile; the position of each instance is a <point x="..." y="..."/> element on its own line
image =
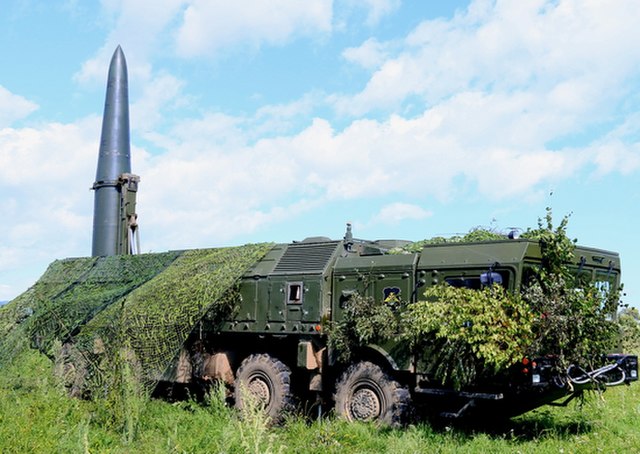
<point x="114" y="160"/>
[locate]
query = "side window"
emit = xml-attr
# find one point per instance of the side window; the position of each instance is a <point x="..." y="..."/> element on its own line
<point x="472" y="282"/>
<point x="477" y="282"/>
<point x="294" y="292"/>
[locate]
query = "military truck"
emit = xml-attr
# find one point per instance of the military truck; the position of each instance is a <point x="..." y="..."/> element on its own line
<point x="276" y="346"/>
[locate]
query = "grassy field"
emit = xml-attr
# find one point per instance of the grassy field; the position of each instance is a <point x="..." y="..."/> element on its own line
<point x="37" y="417"/>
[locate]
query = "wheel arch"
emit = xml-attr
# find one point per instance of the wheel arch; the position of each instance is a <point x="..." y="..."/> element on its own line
<point x="377" y="355"/>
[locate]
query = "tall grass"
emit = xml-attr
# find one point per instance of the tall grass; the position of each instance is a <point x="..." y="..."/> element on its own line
<point x="253" y="426"/>
<point x="36" y="416"/>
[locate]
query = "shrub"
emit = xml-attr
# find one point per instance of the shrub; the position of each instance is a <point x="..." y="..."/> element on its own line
<point x="466" y="334"/>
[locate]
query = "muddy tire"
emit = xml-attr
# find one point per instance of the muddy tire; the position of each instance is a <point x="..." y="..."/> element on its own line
<point x="365" y="392"/>
<point x="269" y="382"/>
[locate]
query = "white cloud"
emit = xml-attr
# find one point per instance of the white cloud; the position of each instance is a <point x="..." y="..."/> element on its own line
<point x="45" y="176"/>
<point x="369" y="54"/>
<point x="507" y="46"/>
<point x="615" y="156"/>
<point x="397" y="212"/>
<point x="378" y="9"/>
<point x="52" y="155"/>
<point x="618" y="150"/>
<point x="13" y="107"/>
<point x="281" y="118"/>
<point x="213" y="184"/>
<point x="161" y="91"/>
<point x="208" y="26"/>
<point x="375" y="10"/>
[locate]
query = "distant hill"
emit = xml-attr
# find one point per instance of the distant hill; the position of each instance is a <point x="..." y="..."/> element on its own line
<point x="2" y="303"/>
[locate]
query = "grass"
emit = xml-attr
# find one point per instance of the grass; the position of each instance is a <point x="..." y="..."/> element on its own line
<point x="36" y="416"/>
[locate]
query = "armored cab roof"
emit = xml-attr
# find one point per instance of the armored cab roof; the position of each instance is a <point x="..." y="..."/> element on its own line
<point x="481" y="254"/>
<point x="505" y="252"/>
<point x="358" y="263"/>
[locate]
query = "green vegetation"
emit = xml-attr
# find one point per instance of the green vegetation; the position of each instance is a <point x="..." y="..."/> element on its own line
<point x="574" y="317"/>
<point x="466" y="334"/>
<point x="36" y="416"/>
<point x="365" y="321"/>
<point x="477" y="234"/>
<point x="629" y="322"/>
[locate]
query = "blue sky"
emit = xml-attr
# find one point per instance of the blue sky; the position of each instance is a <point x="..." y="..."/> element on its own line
<point x="275" y="120"/>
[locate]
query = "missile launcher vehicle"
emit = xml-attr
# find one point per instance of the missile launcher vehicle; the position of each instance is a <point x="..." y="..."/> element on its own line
<point x="275" y="337"/>
<point x="277" y="346"/>
<point x="262" y="318"/>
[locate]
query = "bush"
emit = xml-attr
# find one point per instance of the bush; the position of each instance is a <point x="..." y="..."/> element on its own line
<point x="629" y="322"/>
<point x="467" y="334"/>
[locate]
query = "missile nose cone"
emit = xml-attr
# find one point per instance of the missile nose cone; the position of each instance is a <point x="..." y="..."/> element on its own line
<point x="115" y="154"/>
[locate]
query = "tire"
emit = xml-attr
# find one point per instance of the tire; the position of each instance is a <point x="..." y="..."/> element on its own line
<point x="366" y="393"/>
<point x="269" y="380"/>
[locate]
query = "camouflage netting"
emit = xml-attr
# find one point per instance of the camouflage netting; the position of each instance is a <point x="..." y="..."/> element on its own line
<point x="147" y="303"/>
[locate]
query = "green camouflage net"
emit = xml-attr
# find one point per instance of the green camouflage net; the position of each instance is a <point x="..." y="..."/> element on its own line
<point x="107" y="280"/>
<point x="147" y="303"/>
<point x="17" y="318"/>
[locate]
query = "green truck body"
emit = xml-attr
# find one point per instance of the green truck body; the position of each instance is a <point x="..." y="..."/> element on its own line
<point x="277" y="345"/>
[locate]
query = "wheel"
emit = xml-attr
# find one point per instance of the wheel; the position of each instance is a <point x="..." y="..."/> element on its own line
<point x="269" y="381"/>
<point x="366" y="393"/>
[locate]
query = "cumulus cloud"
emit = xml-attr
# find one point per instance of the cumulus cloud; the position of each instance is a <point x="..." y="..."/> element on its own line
<point x="585" y="52"/>
<point x="49" y="155"/>
<point x="369" y="54"/>
<point x="163" y="90"/>
<point x="397" y="212"/>
<point x="45" y="176"/>
<point x="213" y="183"/>
<point x="208" y="26"/>
<point x="618" y="150"/>
<point x="494" y="86"/>
<point x="375" y="10"/>
<point x="13" y="107"/>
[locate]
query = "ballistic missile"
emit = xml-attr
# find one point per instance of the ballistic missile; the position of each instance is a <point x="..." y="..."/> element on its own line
<point x="115" y="187"/>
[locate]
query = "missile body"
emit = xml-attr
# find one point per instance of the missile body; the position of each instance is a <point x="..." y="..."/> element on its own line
<point x="114" y="162"/>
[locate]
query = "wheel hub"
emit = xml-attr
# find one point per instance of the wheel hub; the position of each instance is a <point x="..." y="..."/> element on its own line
<point x="259" y="388"/>
<point x="365" y="404"/>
